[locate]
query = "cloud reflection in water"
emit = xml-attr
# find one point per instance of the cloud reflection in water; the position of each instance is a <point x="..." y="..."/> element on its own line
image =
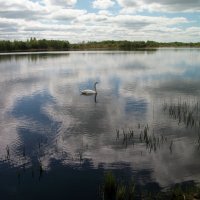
<point x="40" y="102"/>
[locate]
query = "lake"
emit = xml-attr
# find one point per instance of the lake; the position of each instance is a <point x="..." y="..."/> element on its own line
<point x="144" y="122"/>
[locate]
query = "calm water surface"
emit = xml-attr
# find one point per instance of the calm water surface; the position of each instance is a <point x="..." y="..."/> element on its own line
<point x="56" y="143"/>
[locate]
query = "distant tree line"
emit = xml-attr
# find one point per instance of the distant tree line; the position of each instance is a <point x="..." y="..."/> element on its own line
<point x="129" y="45"/>
<point x="33" y="44"/>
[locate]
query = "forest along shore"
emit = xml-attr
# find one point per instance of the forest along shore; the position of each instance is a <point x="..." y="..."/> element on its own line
<point x="33" y="44"/>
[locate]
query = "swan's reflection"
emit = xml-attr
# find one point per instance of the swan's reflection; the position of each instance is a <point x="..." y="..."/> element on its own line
<point x="95" y="98"/>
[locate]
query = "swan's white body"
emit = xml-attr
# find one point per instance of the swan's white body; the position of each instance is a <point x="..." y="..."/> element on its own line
<point x="90" y="92"/>
<point x="87" y="92"/>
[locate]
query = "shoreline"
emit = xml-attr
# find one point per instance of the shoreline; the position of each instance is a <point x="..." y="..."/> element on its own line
<point x="93" y="49"/>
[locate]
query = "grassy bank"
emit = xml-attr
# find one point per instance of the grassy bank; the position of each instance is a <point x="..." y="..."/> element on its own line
<point x="115" y="189"/>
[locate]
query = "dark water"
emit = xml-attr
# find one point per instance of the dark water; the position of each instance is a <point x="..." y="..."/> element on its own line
<point x="56" y="143"/>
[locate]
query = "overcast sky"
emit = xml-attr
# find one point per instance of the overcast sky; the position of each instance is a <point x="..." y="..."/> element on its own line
<point x="88" y="20"/>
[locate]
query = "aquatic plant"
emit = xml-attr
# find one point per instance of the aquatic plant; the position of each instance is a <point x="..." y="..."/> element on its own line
<point x="24" y="152"/>
<point x="184" y="112"/>
<point x="41" y="170"/>
<point x="146" y="137"/>
<point x="127" y="191"/>
<point x="121" y="192"/>
<point x="170" y="147"/>
<point x="109" y="185"/>
<point x="7" y="152"/>
<point x="116" y="190"/>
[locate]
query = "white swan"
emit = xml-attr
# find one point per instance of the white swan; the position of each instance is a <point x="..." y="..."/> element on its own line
<point x="90" y="92"/>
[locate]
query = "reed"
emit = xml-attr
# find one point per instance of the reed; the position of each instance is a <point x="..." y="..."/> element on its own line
<point x="184" y="112"/>
<point x="109" y="186"/>
<point x="151" y="141"/>
<point x="24" y="152"/>
<point x="116" y="190"/>
<point x="121" y="192"/>
<point x="117" y="132"/>
<point x="7" y="152"/>
<point x="41" y="170"/>
<point x="170" y="147"/>
<point x="127" y="191"/>
<point x="80" y="153"/>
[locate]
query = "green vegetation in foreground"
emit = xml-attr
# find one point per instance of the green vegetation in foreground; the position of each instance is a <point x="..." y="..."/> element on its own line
<point x="47" y="45"/>
<point x="115" y="190"/>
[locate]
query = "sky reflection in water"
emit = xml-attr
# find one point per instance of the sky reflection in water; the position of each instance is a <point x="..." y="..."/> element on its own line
<point x="44" y="119"/>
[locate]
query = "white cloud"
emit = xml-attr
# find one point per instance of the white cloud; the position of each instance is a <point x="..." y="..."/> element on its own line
<point x="62" y="3"/>
<point x="103" y="4"/>
<point x="128" y="20"/>
<point x="160" y="6"/>
<point x="104" y="12"/>
<point x="14" y="5"/>
<point x="127" y="3"/>
<point x="41" y="75"/>
<point x="67" y="14"/>
<point x="91" y="26"/>
<point x="60" y="20"/>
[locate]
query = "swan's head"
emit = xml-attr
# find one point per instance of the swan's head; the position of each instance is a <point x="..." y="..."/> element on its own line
<point x="95" y="87"/>
<point x="96" y="83"/>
